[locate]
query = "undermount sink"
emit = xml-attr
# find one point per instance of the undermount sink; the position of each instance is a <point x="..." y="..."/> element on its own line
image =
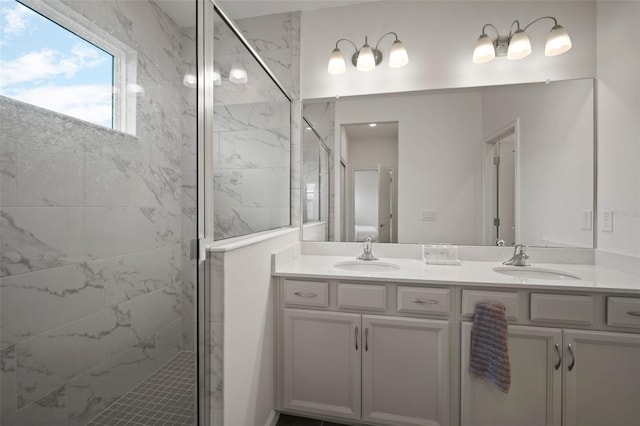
<point x="366" y="266"/>
<point x="535" y="273"/>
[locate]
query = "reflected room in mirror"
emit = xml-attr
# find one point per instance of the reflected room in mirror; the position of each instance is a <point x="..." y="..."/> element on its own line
<point x="477" y="166"/>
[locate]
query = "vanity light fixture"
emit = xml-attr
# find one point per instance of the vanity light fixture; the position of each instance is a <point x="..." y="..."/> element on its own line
<point x="366" y="58"/>
<point x="517" y="45"/>
<point x="217" y="77"/>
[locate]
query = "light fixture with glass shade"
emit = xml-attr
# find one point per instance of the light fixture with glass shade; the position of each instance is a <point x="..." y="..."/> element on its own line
<point x="517" y="44"/>
<point x="238" y="74"/>
<point x="217" y="77"/>
<point x="367" y="58"/>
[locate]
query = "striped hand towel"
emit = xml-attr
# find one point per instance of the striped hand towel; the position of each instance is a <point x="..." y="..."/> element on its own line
<point x="489" y="358"/>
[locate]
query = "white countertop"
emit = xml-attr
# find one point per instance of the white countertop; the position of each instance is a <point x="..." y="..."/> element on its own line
<point x="469" y="273"/>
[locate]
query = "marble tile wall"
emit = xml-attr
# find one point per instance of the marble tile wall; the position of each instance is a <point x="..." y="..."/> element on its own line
<point x="252" y="130"/>
<point x="96" y="288"/>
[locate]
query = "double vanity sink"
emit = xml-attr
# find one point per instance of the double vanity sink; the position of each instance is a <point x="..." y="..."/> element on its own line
<point x="519" y="272"/>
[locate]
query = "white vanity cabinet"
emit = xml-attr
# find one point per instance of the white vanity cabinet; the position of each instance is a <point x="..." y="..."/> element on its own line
<point x="559" y="376"/>
<point x="374" y="368"/>
<point x="603" y="387"/>
<point x="535" y="396"/>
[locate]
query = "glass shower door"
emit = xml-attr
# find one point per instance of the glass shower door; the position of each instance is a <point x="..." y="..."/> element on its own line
<point x="97" y="285"/>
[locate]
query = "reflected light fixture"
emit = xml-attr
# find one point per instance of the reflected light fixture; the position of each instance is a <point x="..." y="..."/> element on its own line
<point x="238" y="74"/>
<point x="517" y="45"/>
<point x="373" y="124"/>
<point x="367" y="58"/>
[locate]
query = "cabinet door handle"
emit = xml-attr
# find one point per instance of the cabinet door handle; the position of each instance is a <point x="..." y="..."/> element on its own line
<point x="573" y="358"/>
<point x="634" y="313"/>
<point x="428" y="301"/>
<point x="366" y="339"/>
<point x="301" y="294"/>
<point x="356" y="338"/>
<point x="559" y="357"/>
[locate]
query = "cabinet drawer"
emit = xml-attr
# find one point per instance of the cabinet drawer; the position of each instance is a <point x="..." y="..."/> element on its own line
<point x="511" y="302"/>
<point x="623" y="312"/>
<point x="414" y="300"/>
<point x="306" y="293"/>
<point x="562" y="308"/>
<point x="365" y="297"/>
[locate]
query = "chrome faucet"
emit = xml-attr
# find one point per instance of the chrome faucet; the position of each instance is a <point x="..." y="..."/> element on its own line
<point x="366" y="254"/>
<point x="519" y="257"/>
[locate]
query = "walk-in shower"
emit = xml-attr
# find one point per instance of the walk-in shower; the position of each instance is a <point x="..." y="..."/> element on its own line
<point x="98" y="204"/>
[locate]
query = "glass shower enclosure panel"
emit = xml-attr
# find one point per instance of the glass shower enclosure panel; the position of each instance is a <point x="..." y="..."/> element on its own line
<point x="97" y="286"/>
<point x="251" y="142"/>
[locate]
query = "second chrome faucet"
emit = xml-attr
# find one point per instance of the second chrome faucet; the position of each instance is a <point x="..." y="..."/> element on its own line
<point x="367" y="254"/>
<point x="519" y="257"/>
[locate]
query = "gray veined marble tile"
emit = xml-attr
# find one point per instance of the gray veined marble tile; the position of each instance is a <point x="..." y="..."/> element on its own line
<point x="227" y="188"/>
<point x="8" y="156"/>
<point x="130" y="276"/>
<point x="99" y="387"/>
<point x="8" y="397"/>
<point x="38" y="301"/>
<point x="152" y="312"/>
<point x="250" y="149"/>
<point x="47" y="361"/>
<point x="49" y="410"/>
<point x="254" y="182"/>
<point x="228" y="222"/>
<point x="32" y="239"/>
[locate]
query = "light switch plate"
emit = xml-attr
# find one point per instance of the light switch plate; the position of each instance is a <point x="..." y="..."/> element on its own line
<point x="587" y="220"/>
<point x="428" y="215"/>
<point x="607" y="221"/>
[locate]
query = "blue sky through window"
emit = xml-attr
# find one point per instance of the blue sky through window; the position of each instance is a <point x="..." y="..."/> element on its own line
<point x="44" y="64"/>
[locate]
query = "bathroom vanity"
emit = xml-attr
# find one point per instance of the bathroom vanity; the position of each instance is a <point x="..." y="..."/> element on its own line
<point x="389" y="345"/>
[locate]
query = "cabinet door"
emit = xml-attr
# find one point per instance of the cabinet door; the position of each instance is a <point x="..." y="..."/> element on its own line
<point x="405" y="371"/>
<point x="603" y="385"/>
<point x="322" y="362"/>
<point x="534" y="398"/>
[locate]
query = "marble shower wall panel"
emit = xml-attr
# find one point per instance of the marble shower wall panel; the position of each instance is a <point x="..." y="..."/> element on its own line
<point x="96" y="287"/>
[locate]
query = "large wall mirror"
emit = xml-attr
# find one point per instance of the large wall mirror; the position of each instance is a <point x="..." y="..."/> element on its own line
<point x="494" y="165"/>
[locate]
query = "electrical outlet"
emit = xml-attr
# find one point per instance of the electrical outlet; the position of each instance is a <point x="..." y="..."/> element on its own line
<point x="607" y="221"/>
<point x="587" y="220"/>
<point x="428" y="215"/>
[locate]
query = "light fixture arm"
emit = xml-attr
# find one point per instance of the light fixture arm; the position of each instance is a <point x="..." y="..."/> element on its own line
<point x="555" y="21"/>
<point x="384" y="35"/>
<point x="517" y="24"/>
<point x="346" y="39"/>
<point x="492" y="26"/>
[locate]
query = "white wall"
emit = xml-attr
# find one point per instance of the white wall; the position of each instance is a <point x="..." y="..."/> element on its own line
<point x="440" y="37"/>
<point x="555" y="157"/>
<point x="438" y="142"/>
<point x="619" y="125"/>
<point x="249" y="333"/>
<point x="366" y="198"/>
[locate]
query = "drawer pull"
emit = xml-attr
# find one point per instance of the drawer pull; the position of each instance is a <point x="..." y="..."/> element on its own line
<point x="427" y="302"/>
<point x="573" y="358"/>
<point x="301" y="294"/>
<point x="634" y="313"/>
<point x="559" y="357"/>
<point x="356" y="338"/>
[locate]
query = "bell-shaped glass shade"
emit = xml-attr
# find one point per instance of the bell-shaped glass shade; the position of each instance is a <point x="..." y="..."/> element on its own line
<point x="217" y="78"/>
<point x="336" y="62"/>
<point x="485" y="51"/>
<point x="366" y="60"/>
<point x="558" y="41"/>
<point x="238" y="74"/>
<point x="398" y="56"/>
<point x="519" y="46"/>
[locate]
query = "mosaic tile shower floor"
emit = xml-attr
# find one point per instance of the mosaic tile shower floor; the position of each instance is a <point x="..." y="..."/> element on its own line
<point x="167" y="398"/>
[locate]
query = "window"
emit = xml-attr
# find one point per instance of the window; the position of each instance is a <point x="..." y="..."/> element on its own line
<point x="54" y="58"/>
